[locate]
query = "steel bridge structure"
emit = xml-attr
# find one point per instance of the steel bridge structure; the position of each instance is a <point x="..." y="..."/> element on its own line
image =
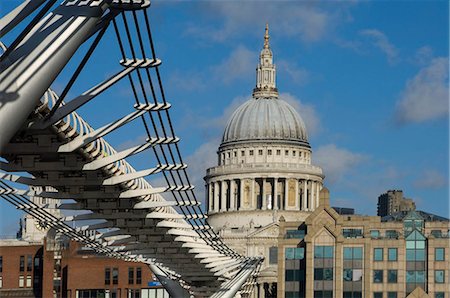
<point x="46" y="146"/>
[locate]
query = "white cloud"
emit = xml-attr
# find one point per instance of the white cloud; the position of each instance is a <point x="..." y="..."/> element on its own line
<point x="204" y="157"/>
<point x="306" y="111"/>
<point x="308" y="21"/>
<point x="426" y="95"/>
<point x="186" y="81"/>
<point x="240" y="64"/>
<point x="431" y="179"/>
<point x="423" y="55"/>
<point x="299" y="75"/>
<point x="336" y="162"/>
<point x="380" y="40"/>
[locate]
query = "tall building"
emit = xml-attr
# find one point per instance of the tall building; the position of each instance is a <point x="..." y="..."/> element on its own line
<point x="393" y="201"/>
<point x="266" y="198"/>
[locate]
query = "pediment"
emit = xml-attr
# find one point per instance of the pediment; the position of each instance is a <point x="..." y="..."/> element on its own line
<point x="324" y="219"/>
<point x="271" y="230"/>
<point x="418" y="293"/>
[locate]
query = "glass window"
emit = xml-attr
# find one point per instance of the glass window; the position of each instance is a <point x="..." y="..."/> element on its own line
<point x="260" y="152"/>
<point x="29" y="262"/>
<point x="107" y="276"/>
<point x="1" y="282"/>
<point x="278" y="152"/>
<point x="378" y="295"/>
<point x="251" y="152"/>
<point x="378" y="276"/>
<point x="269" y="152"/>
<point x="392" y="276"/>
<point x="439" y="295"/>
<point x="130" y="275"/>
<point x="392" y="254"/>
<point x="321" y="252"/>
<point x="357" y="253"/>
<point x="242" y="153"/>
<point x="439" y="276"/>
<point x="318" y="273"/>
<point x="1" y="264"/>
<point x="294" y="253"/>
<point x="115" y="276"/>
<point x="348" y="253"/>
<point x="348" y="274"/>
<point x="410" y="276"/>
<point x="328" y="252"/>
<point x="286" y="152"/>
<point x="138" y="275"/>
<point x="22" y="263"/>
<point x="328" y="274"/>
<point x="392" y="295"/>
<point x="391" y="234"/>
<point x="420" y="276"/>
<point x="273" y="255"/>
<point x="439" y="254"/>
<point x="357" y="274"/>
<point x="375" y="234"/>
<point x="378" y="254"/>
<point x="420" y="254"/>
<point x="28" y="283"/>
<point x="297" y="234"/>
<point x="21" y="281"/>
<point x="293" y="153"/>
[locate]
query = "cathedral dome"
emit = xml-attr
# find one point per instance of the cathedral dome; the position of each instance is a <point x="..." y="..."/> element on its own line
<point x="265" y="119"/>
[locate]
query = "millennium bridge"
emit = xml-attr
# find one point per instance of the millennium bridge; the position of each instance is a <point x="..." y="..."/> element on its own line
<point x="49" y="151"/>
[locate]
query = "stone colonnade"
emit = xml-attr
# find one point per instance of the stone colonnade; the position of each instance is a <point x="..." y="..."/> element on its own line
<point x="267" y="193"/>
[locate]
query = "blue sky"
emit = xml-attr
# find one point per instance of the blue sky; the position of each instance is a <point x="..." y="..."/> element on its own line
<point x="370" y="79"/>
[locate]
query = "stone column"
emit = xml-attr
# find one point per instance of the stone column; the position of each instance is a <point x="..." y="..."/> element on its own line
<point x="313" y="196"/>
<point x="318" y="193"/>
<point x="261" y="290"/>
<point x="296" y="196"/>
<point x="275" y="193"/>
<point x="223" y="195"/>
<point x="216" y="196"/>
<point x="263" y="193"/>
<point x="232" y="194"/>
<point x="241" y="191"/>
<point x="286" y="193"/>
<point x="253" y="199"/>
<point x="210" y="196"/>
<point x="305" y="195"/>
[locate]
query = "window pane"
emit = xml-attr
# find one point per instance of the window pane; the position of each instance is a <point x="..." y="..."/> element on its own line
<point x="392" y="276"/>
<point x="439" y="276"/>
<point x="348" y="274"/>
<point x="439" y="254"/>
<point x="22" y="263"/>
<point x="29" y="263"/>
<point x="357" y="274"/>
<point x="328" y="274"/>
<point x="318" y="252"/>
<point x="289" y="252"/>
<point x="410" y="276"/>
<point x="138" y="275"/>
<point x="130" y="276"/>
<point x="375" y="234"/>
<point x="420" y="255"/>
<point x="410" y="255"/>
<point x="299" y="253"/>
<point x="328" y="252"/>
<point x="420" y="244"/>
<point x="378" y="254"/>
<point x="439" y="295"/>
<point x="392" y="295"/>
<point x="348" y="253"/>
<point x="318" y="274"/>
<point x="392" y="254"/>
<point x="378" y="295"/>
<point x="357" y="253"/>
<point x="378" y="276"/>
<point x="420" y="276"/>
<point x="107" y="276"/>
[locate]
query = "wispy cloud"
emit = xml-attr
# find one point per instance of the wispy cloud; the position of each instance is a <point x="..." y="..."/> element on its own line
<point x="239" y="64"/>
<point x="426" y="95"/>
<point x="297" y="74"/>
<point x="431" y="179"/>
<point x="307" y="112"/>
<point x="380" y="40"/>
<point x="186" y="81"/>
<point x="336" y="162"/>
<point x="307" y="21"/>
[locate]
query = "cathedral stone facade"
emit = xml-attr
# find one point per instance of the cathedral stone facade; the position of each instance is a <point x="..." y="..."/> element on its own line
<point x="264" y="174"/>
